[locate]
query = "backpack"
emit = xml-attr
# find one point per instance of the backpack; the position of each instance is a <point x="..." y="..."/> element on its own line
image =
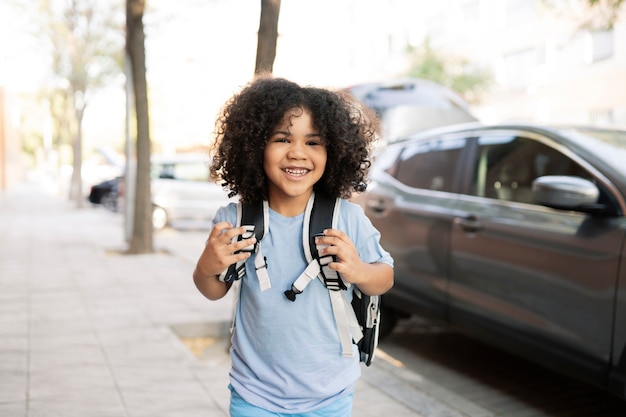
<point x="357" y="321"/>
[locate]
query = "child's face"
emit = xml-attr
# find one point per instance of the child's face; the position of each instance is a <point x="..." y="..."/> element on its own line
<point x="294" y="158"/>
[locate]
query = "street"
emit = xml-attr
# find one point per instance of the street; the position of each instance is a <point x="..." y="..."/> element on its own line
<point x="496" y="381"/>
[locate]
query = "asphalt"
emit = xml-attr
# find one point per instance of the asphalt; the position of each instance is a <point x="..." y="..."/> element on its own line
<point x="86" y="330"/>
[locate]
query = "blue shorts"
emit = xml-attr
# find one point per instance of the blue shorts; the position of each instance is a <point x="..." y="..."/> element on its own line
<point x="240" y="408"/>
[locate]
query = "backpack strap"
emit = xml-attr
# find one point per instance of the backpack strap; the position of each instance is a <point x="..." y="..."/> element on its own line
<point x="322" y="213"/>
<point x="324" y="208"/>
<point x="313" y="268"/>
<point x="255" y="218"/>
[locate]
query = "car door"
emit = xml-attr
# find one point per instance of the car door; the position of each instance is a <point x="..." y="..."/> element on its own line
<point x="536" y="280"/>
<point x="185" y="191"/>
<point x="412" y="203"/>
<point x="191" y="191"/>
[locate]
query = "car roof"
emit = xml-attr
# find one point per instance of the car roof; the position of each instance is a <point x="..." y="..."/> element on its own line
<point x="180" y="158"/>
<point x="587" y="141"/>
<point x="561" y="133"/>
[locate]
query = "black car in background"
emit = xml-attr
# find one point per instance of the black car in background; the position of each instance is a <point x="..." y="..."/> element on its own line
<point x="106" y="193"/>
<point x="514" y="234"/>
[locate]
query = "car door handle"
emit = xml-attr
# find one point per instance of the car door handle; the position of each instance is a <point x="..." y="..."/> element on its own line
<point x="470" y="223"/>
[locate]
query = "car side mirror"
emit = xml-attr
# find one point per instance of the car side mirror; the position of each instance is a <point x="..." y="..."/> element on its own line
<point x="565" y="192"/>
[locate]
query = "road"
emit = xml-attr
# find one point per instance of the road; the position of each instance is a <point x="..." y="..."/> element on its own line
<point x="501" y="384"/>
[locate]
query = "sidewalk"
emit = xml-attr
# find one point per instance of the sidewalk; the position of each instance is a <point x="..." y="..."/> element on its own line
<point x="86" y="331"/>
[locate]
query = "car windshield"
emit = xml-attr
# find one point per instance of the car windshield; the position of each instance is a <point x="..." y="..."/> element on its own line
<point x="608" y="144"/>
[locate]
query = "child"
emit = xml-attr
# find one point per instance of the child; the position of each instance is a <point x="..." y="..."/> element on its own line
<point x="279" y="142"/>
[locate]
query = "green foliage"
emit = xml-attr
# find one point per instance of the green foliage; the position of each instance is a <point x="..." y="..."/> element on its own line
<point x="85" y="45"/>
<point x="600" y="14"/>
<point x="428" y="65"/>
<point x="85" y="42"/>
<point x="604" y="13"/>
<point x="467" y="79"/>
<point x="615" y="4"/>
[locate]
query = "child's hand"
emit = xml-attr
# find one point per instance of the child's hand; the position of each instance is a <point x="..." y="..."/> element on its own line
<point x="348" y="264"/>
<point x="373" y="279"/>
<point x="220" y="252"/>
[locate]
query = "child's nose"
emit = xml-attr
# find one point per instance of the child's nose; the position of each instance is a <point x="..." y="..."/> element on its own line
<point x="297" y="150"/>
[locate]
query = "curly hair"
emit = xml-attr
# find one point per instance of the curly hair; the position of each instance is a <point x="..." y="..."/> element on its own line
<point x="248" y="119"/>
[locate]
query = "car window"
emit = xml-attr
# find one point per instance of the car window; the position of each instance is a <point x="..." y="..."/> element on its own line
<point x="193" y="171"/>
<point x="162" y="171"/>
<point x="507" y="165"/>
<point x="610" y="145"/>
<point x="185" y="171"/>
<point x="430" y="165"/>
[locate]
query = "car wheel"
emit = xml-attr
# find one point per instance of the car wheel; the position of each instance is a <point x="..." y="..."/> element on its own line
<point x="159" y="218"/>
<point x="109" y="201"/>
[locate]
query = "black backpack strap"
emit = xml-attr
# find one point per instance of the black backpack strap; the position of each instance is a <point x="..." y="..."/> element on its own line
<point x="320" y="214"/>
<point x="322" y="218"/>
<point x="253" y="217"/>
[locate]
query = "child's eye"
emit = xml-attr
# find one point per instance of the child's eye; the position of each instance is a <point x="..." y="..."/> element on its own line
<point x="315" y="142"/>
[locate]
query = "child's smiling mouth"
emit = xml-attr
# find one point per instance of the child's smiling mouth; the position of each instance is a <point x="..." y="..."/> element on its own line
<point x="296" y="172"/>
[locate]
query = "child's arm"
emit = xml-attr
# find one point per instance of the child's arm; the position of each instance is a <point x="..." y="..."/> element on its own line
<point x="373" y="279"/>
<point x="218" y="254"/>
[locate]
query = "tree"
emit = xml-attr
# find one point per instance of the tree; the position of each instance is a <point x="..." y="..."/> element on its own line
<point x="267" y="36"/>
<point x="467" y="79"/>
<point x="604" y="13"/>
<point x="592" y="14"/>
<point x="141" y="239"/>
<point x="59" y="105"/>
<point x="84" y="56"/>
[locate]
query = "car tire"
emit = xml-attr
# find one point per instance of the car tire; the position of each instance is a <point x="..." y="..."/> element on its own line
<point x="159" y="218"/>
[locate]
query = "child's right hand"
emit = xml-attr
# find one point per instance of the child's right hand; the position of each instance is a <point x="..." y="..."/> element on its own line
<point x="220" y="251"/>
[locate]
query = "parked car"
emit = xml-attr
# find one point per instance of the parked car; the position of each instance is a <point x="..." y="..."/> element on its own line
<point x="182" y="190"/>
<point x="514" y="234"/>
<point x="409" y="105"/>
<point x="106" y="193"/>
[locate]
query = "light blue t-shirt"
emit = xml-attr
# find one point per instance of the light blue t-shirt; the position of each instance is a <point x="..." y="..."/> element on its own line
<point x="286" y="356"/>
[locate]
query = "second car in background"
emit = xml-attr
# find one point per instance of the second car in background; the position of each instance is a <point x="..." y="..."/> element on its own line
<point x="183" y="191"/>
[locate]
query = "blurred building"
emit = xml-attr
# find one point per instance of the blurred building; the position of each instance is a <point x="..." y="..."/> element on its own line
<point x="548" y="66"/>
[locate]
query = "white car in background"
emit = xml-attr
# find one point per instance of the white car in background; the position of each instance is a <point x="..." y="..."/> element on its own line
<point x="182" y="190"/>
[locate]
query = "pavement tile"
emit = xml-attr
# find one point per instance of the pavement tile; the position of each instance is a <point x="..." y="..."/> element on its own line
<point x="13" y="338"/>
<point x="13" y="408"/>
<point x="72" y="383"/>
<point x="92" y="403"/>
<point x="13" y="386"/>
<point x="11" y="361"/>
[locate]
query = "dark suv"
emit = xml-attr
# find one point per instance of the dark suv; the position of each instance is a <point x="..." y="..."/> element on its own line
<point x="514" y="234"/>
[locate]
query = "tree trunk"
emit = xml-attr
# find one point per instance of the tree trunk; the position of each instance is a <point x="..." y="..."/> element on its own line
<point x="267" y="37"/>
<point x="141" y="239"/>
<point x="76" y="183"/>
